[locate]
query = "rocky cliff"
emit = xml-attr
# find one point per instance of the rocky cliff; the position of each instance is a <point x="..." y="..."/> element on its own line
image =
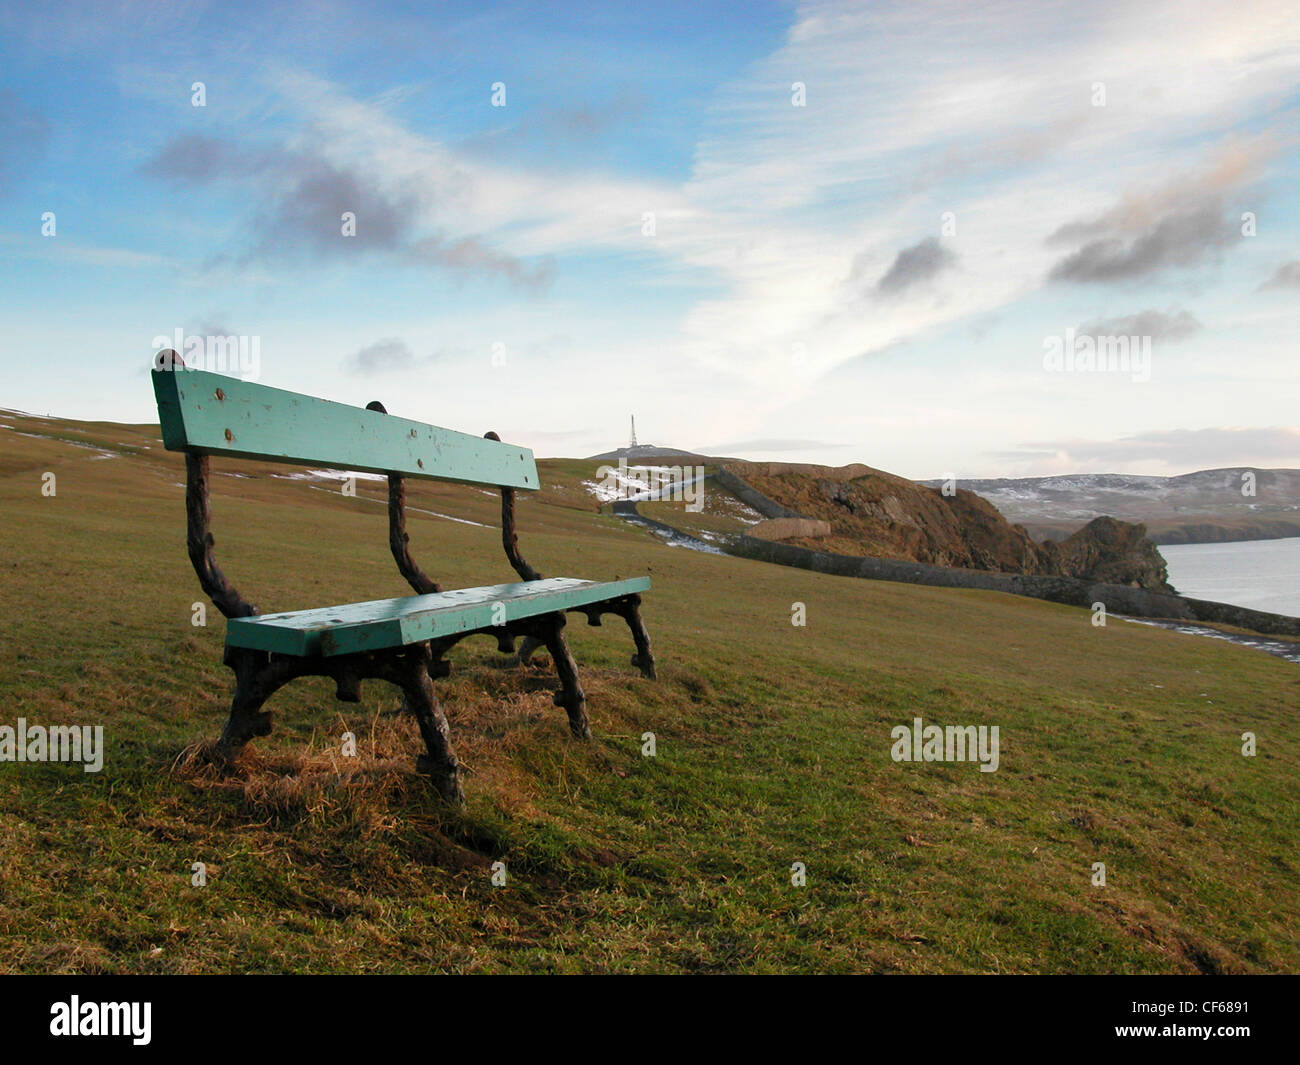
<point x="876" y="514"/>
<point x="1115" y="552"/>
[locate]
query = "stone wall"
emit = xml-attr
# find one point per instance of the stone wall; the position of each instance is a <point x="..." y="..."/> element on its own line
<point x="1118" y="598"/>
<point x="752" y="497"/>
<point x="790" y="528"/>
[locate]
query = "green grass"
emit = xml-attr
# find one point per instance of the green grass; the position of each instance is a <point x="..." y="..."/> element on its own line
<point x="1119" y="745"/>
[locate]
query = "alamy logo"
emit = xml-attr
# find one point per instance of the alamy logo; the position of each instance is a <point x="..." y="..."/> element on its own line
<point x="673" y="483"/>
<point x="53" y="743"/>
<point x="1083" y="353"/>
<point x="235" y="356"/>
<point x="955" y="743"/>
<point x="102" y="1018"/>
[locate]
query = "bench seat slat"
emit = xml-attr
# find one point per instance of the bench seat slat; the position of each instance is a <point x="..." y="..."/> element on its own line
<point x="209" y="413"/>
<point x="381" y="623"/>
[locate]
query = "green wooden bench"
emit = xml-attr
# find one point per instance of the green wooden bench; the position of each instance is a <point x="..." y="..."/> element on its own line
<point x="400" y="640"/>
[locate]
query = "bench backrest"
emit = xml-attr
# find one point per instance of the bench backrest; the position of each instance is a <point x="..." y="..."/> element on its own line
<point x="208" y="413"/>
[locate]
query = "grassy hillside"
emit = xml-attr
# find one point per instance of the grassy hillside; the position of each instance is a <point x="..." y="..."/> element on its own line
<point x="1119" y="745"/>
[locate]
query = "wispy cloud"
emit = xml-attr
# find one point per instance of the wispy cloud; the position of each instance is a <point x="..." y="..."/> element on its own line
<point x="1180" y="449"/>
<point x="933" y="207"/>
<point x="64" y="250"/>
<point x="773" y="444"/>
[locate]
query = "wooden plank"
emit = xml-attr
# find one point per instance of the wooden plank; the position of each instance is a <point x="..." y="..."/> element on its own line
<point x="381" y="623"/>
<point x="209" y="413"/>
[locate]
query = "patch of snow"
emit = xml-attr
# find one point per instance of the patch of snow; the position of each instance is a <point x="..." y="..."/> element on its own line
<point x="692" y="545"/>
<point x="330" y="475"/>
<point x="1282" y="648"/>
<point x="655" y="482"/>
<point x="448" y="517"/>
<point x="100" y="453"/>
<point x="416" y="510"/>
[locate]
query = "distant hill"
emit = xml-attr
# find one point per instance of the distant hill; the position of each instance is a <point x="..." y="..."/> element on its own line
<point x="649" y="453"/>
<point x="1202" y="507"/>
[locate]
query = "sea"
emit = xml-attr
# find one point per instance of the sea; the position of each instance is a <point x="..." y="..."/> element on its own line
<point x="1260" y="574"/>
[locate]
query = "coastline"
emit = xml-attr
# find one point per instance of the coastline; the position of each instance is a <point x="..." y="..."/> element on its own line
<point x="1177" y="612"/>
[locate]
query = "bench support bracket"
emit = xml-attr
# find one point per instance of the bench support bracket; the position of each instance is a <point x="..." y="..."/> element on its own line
<point x="627" y="607"/>
<point x="548" y="630"/>
<point x="259" y="675"/>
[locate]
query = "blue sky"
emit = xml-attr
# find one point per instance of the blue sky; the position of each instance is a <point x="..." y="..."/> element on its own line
<point x="658" y="222"/>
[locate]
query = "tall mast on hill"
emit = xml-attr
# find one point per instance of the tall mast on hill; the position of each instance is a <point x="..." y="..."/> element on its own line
<point x="633" y="443"/>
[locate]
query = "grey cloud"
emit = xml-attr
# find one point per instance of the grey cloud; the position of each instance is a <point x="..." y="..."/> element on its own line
<point x="389" y="355"/>
<point x="1286" y="276"/>
<point x="195" y="158"/>
<point x="215" y="328"/>
<point x="1200" y="448"/>
<point x="300" y="198"/>
<point x="1180" y="238"/>
<point x="1157" y="325"/>
<point x="310" y="211"/>
<point x="914" y="265"/>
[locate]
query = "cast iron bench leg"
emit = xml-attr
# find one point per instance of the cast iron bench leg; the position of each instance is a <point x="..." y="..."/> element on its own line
<point x="440" y="763"/>
<point x="644" y="658"/>
<point x="527" y="646"/>
<point x="629" y="611"/>
<point x="570" y="696"/>
<point x="254" y="684"/>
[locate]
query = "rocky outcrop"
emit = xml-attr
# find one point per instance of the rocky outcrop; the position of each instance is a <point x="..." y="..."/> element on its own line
<point x="1114" y="552"/>
<point x="875" y="514"/>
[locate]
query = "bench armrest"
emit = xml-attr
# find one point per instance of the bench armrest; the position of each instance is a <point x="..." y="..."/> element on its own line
<point x="225" y="597"/>
<point x="509" y="540"/>
<point x="398" y="538"/>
